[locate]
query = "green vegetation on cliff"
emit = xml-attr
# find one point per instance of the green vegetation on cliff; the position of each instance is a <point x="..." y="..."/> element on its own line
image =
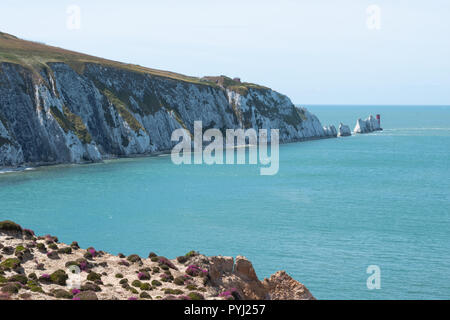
<point x="69" y="121"/>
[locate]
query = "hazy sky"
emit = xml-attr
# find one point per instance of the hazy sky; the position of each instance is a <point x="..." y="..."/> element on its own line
<point x="316" y="52"/>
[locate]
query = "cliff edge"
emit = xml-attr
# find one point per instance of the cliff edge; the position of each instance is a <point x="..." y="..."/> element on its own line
<point x="60" y="106"/>
<point x="42" y="268"/>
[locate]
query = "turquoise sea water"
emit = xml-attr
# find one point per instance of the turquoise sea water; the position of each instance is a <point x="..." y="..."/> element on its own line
<point x="335" y="207"/>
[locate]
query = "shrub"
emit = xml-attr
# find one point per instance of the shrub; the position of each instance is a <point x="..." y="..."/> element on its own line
<point x="152" y="255"/>
<point x="195" y="271"/>
<point x="154" y="259"/>
<point x="89" y="286"/>
<point x="66" y="250"/>
<point x="92" y="252"/>
<point x="179" y="281"/>
<point x="36" y="288"/>
<point x="182" y="259"/>
<point x="32" y="276"/>
<point x="134" y="258"/>
<point x="156" y="283"/>
<point x="74" y="245"/>
<point x="53" y="246"/>
<point x="18" y="278"/>
<point x="119" y="275"/>
<point x="173" y="291"/>
<point x="19" y="249"/>
<point x="155" y="269"/>
<point x="121" y="255"/>
<point x="93" y="276"/>
<point x="190" y="254"/>
<point x="41" y="247"/>
<point x="10" y="226"/>
<point x="53" y="255"/>
<point x="136" y="283"/>
<point x="228" y="294"/>
<point x="166" y="262"/>
<point x="10" y="288"/>
<point x="59" y="277"/>
<point x="45" y="278"/>
<point x="195" y="296"/>
<point x="133" y="290"/>
<point x="10" y="264"/>
<point x="146" y="286"/>
<point x="123" y="281"/>
<point x="62" y="294"/>
<point x="86" y="295"/>
<point x="29" y="234"/>
<point x="191" y="287"/>
<point x="144" y="295"/>
<point x="75" y="291"/>
<point x="124" y="263"/>
<point x="143" y="275"/>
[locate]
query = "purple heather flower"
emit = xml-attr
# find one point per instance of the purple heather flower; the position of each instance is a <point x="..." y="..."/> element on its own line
<point x="132" y="298"/>
<point x="75" y="291"/>
<point x="76" y="298"/>
<point x="46" y="276"/>
<point x="83" y="265"/>
<point x="92" y="251"/>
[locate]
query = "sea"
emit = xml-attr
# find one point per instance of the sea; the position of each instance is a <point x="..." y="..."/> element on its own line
<point x="337" y="210"/>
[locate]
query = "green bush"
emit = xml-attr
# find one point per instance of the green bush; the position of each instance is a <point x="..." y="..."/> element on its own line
<point x="179" y="281"/>
<point x="156" y="283"/>
<point x="10" y="264"/>
<point x="9" y="226"/>
<point x="146" y="286"/>
<point x="10" y="288"/>
<point x="173" y="291"/>
<point x="119" y="275"/>
<point x="145" y="295"/>
<point x="134" y="258"/>
<point x="195" y="296"/>
<point x="93" y="276"/>
<point x="136" y="283"/>
<point x="18" y="278"/>
<point x="59" y="277"/>
<point x="62" y="294"/>
<point x="86" y="295"/>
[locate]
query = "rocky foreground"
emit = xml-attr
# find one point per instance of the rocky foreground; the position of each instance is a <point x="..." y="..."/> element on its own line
<point x="42" y="268"/>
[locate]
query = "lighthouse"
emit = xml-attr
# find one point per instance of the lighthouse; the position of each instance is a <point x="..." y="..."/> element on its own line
<point x="379" y="120"/>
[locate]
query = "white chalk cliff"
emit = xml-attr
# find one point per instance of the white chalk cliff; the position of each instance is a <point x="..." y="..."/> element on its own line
<point x="366" y="126"/>
<point x="91" y="109"/>
<point x="344" y="130"/>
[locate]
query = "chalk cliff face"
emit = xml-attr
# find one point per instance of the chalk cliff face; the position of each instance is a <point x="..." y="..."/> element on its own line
<point x="344" y="130"/>
<point x="368" y="125"/>
<point x="66" y="112"/>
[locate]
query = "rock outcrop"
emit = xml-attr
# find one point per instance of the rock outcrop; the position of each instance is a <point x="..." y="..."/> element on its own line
<point x="58" y="106"/>
<point x="330" y="131"/>
<point x="42" y="268"/>
<point x="368" y="125"/>
<point x="344" y="130"/>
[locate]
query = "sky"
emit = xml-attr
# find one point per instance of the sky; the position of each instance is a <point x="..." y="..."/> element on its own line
<point x="316" y="52"/>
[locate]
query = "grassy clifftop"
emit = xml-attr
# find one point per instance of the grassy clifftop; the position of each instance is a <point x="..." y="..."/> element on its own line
<point x="35" y="55"/>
